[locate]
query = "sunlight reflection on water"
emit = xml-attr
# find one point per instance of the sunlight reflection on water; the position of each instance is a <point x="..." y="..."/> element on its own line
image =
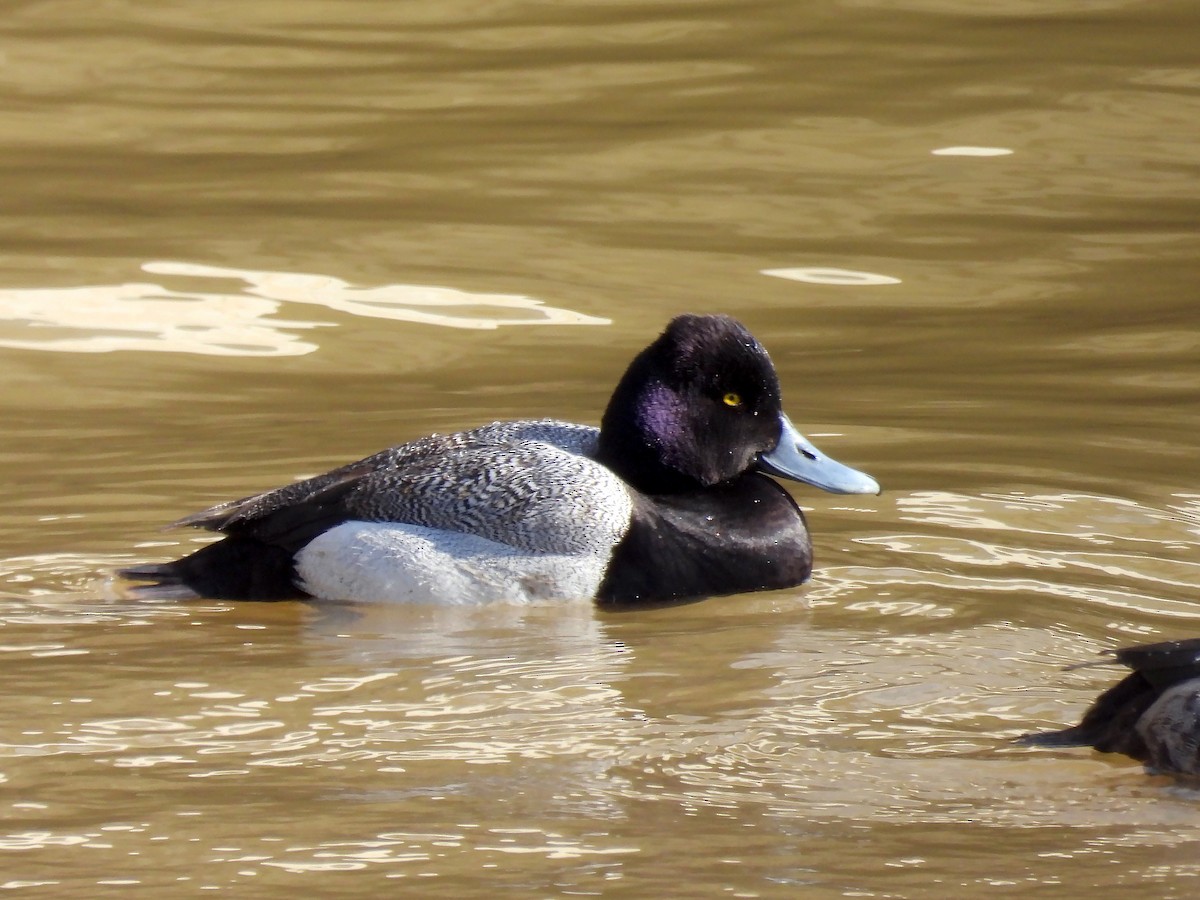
<point x="825" y="275"/>
<point x="142" y="316"/>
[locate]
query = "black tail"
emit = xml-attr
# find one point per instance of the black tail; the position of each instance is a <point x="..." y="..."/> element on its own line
<point x="235" y="568"/>
<point x="1109" y="724"/>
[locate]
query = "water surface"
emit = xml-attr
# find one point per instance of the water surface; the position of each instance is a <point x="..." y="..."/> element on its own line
<point x="246" y="242"/>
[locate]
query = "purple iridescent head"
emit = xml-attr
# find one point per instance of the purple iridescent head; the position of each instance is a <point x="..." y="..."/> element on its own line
<point x="701" y="406"/>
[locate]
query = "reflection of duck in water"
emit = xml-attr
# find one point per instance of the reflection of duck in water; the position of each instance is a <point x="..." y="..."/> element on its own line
<point x="668" y="500"/>
<point x="1152" y="714"/>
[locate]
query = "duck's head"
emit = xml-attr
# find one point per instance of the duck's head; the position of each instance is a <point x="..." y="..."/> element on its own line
<point x="701" y="406"/>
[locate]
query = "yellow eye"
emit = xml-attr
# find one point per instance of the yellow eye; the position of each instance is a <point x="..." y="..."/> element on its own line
<point x="732" y="399"/>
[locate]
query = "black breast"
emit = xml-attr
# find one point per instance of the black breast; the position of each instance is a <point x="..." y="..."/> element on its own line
<point x="747" y="535"/>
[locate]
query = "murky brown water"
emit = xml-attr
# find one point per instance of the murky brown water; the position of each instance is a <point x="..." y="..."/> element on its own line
<point x="216" y="219"/>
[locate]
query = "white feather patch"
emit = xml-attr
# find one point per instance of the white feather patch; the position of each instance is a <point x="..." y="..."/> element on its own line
<point x="389" y="562"/>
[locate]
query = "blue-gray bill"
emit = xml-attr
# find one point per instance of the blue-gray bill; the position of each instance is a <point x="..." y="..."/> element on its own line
<point x="796" y="458"/>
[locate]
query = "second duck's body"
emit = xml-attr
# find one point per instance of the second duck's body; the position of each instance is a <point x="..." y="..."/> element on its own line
<point x="1151" y="715"/>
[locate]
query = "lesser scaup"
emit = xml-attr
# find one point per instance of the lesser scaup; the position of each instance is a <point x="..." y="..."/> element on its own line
<point x="1152" y="714"/>
<point x="666" y="501"/>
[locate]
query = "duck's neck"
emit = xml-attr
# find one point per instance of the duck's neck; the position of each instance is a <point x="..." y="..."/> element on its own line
<point x="641" y="434"/>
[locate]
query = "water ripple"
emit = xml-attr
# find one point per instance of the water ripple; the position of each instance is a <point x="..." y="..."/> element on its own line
<point x="1104" y="552"/>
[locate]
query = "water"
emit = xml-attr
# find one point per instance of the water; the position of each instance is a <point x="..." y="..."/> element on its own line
<point x="223" y="226"/>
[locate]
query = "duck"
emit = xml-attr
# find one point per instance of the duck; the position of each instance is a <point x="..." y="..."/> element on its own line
<point x="673" y="498"/>
<point x="1151" y="715"/>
